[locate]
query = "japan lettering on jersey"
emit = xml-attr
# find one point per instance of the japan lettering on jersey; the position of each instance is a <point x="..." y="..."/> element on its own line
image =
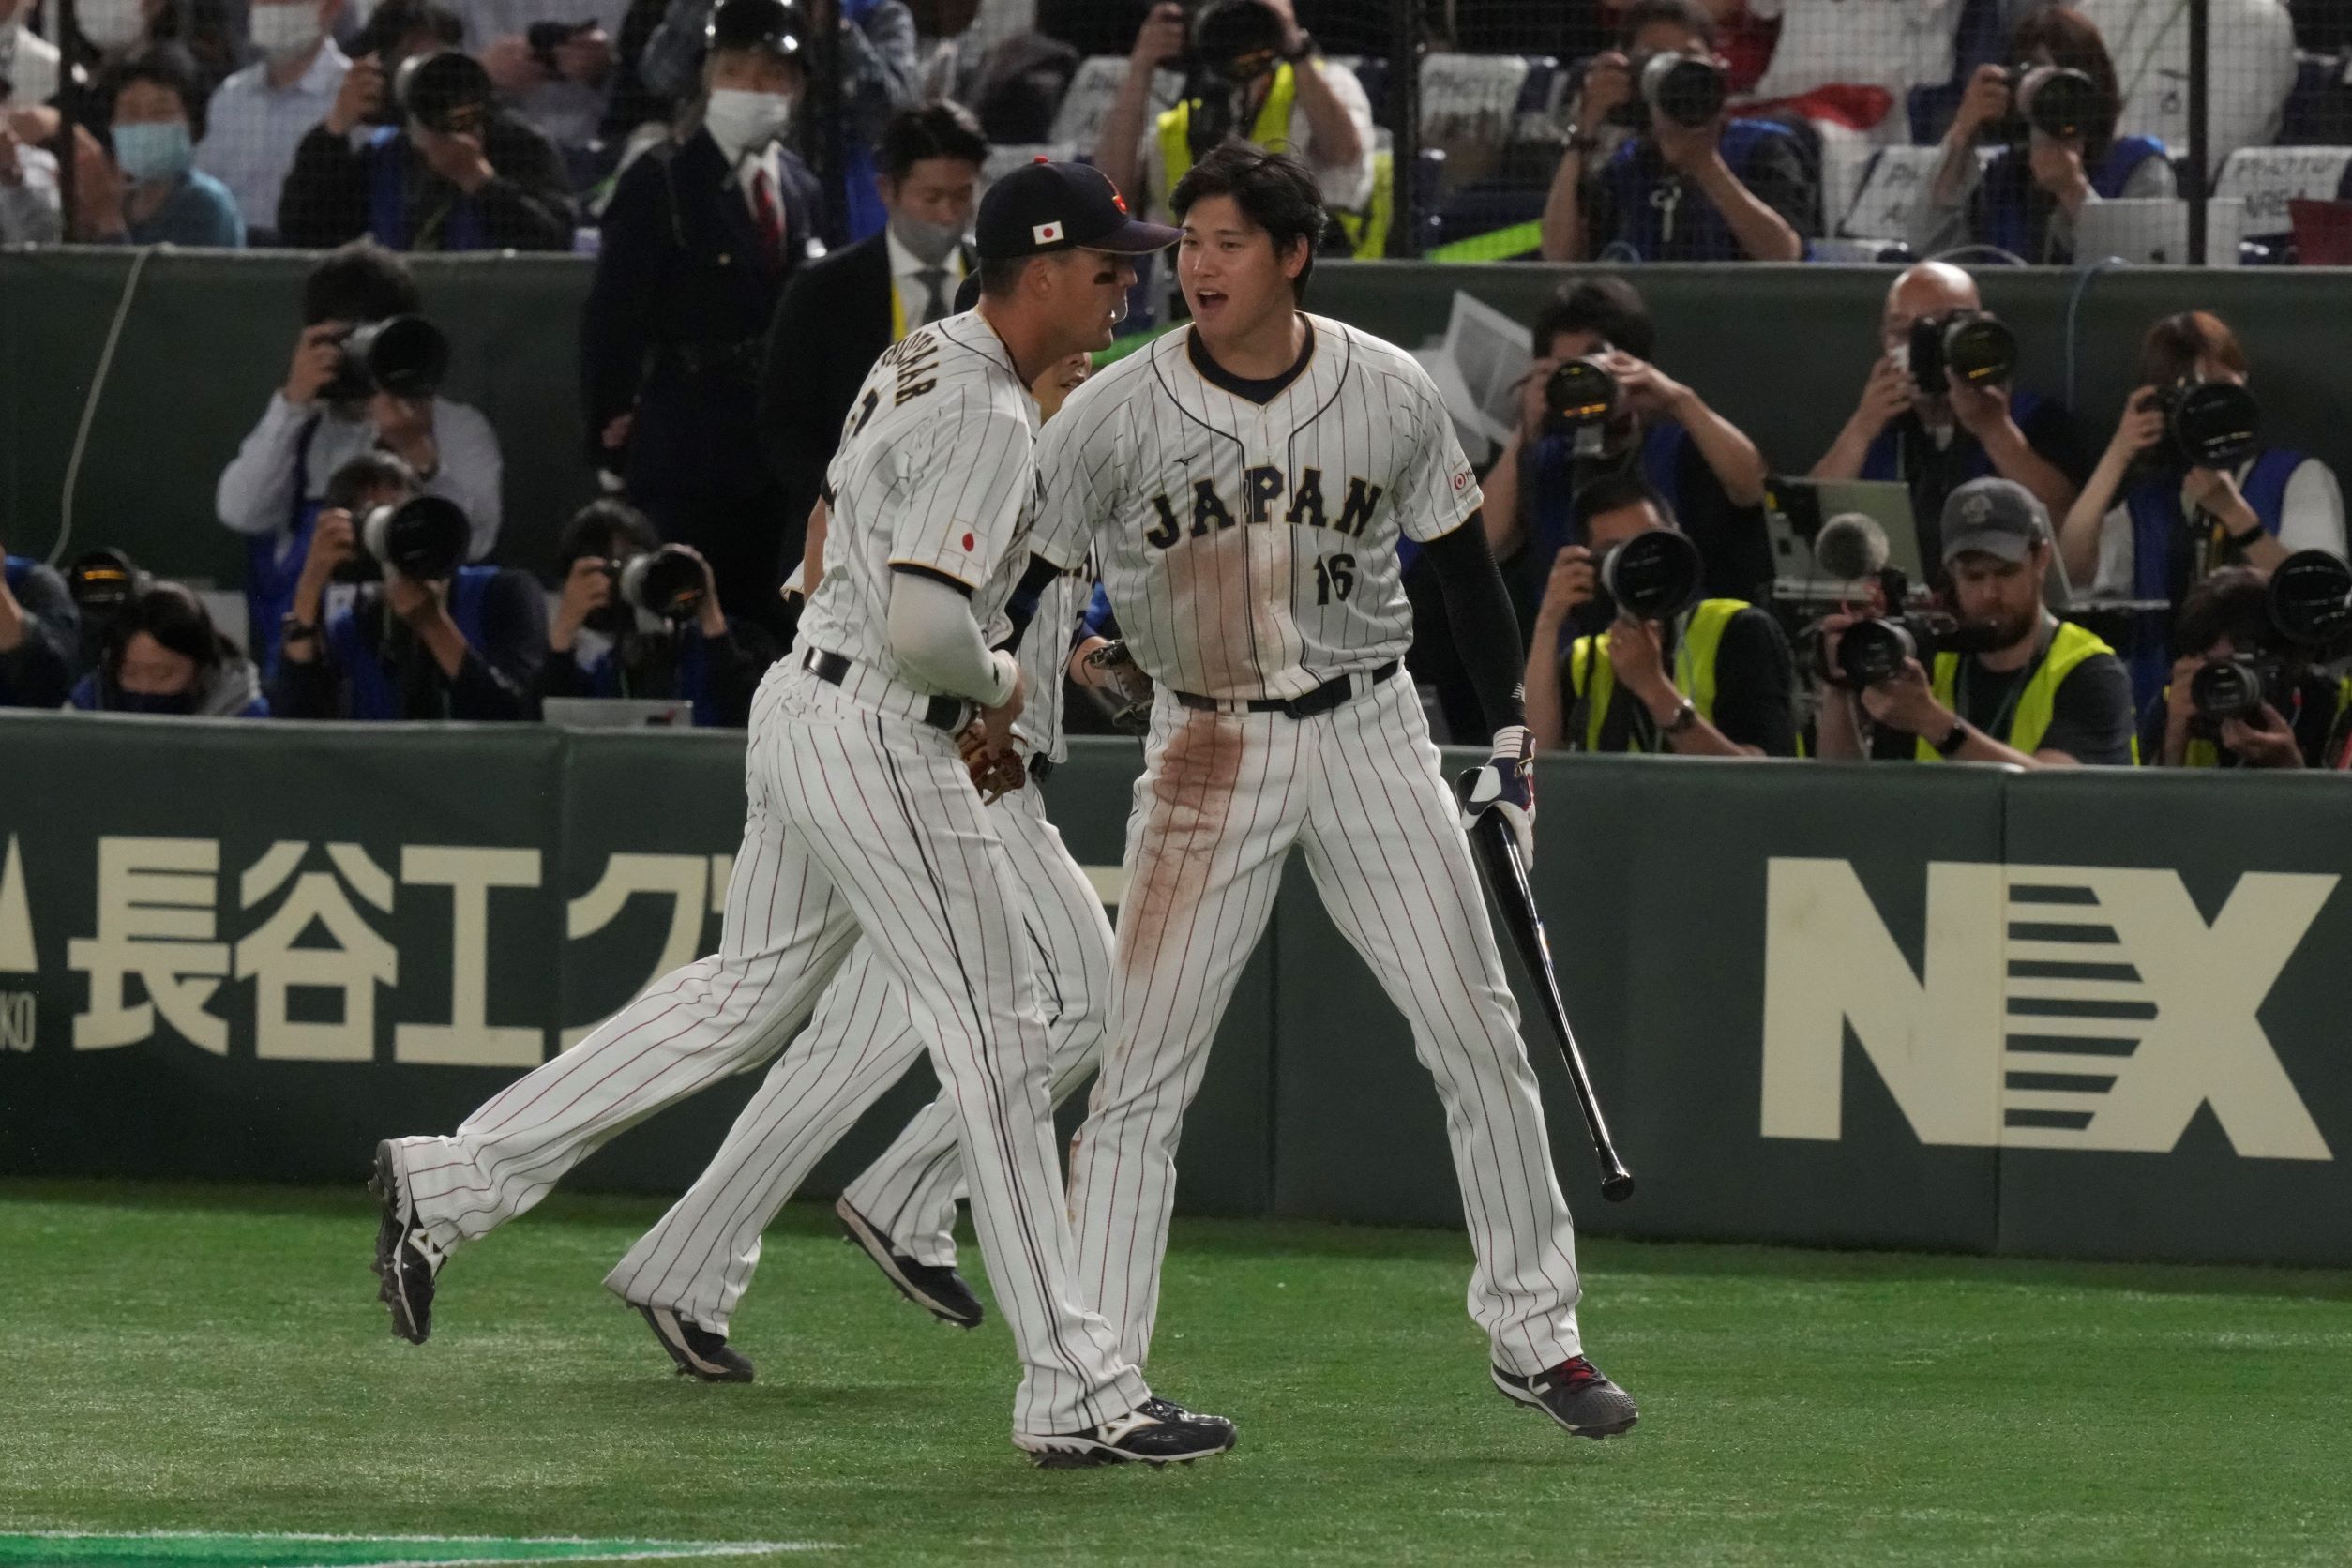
<point x="1250" y="551"/>
<point x="936" y="472"/>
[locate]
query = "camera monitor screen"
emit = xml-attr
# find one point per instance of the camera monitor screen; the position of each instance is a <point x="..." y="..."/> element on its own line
<point x="1795" y="509"/>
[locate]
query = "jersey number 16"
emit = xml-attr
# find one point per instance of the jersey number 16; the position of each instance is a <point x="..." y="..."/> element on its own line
<point x="1334" y="579"/>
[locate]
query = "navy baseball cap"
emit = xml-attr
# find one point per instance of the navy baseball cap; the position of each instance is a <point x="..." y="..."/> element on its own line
<point x="1044" y="206"/>
<point x="768" y="25"/>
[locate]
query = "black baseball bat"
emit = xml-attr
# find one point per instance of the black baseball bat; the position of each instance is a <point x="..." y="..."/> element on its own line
<point x="1506" y="874"/>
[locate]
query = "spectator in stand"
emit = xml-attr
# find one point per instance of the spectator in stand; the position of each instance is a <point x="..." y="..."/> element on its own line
<point x="2027" y="199"/>
<point x="1884" y="49"/>
<point x="260" y="115"/>
<point x="840" y="313"/>
<point x="38" y="629"/>
<point x="1933" y="439"/>
<point x="1710" y="472"/>
<point x="2251" y="60"/>
<point x="466" y="646"/>
<point x="28" y="62"/>
<point x="2226" y="615"/>
<point x="1717" y="680"/>
<point x="1731" y="189"/>
<point x="554" y="65"/>
<point x="600" y="645"/>
<point x="322" y="419"/>
<point x="31" y="207"/>
<point x="164" y="656"/>
<point x="697" y="243"/>
<point x="1257" y="75"/>
<point x="153" y="193"/>
<point x="457" y="173"/>
<point x="2150" y="525"/>
<point x="878" y="69"/>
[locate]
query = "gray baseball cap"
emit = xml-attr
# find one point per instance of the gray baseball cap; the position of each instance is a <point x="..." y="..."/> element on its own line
<point x="1994" y="516"/>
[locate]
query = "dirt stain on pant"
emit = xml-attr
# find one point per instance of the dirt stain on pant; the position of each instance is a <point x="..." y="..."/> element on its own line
<point x="1184" y="827"/>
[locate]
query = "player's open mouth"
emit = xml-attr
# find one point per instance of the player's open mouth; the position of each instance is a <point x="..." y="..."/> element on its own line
<point x="1206" y="301"/>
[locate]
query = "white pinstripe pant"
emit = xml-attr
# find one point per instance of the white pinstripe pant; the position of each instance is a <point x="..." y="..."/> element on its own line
<point x="857" y="822"/>
<point x="1359" y="790"/>
<point x="699" y="1259"/>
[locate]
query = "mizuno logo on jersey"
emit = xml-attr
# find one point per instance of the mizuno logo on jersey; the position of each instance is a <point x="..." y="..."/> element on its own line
<point x="1261" y="488"/>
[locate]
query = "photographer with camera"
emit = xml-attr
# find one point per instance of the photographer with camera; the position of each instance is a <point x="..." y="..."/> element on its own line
<point x="2010" y="681"/>
<point x="1252" y="72"/>
<point x="2242" y="694"/>
<point x="2056" y="108"/>
<point x="163" y="655"/>
<point x="640" y="618"/>
<point x="365" y="377"/>
<point x="1575" y="429"/>
<point x="1938" y="410"/>
<point x="1691" y="185"/>
<point x="421" y="635"/>
<point x="38" y="629"/>
<point x="1672" y="672"/>
<point x="437" y="165"/>
<point x="553" y="64"/>
<point x="2187" y="485"/>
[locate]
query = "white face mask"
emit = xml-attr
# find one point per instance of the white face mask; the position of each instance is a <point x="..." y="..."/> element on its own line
<point x="111" y="23"/>
<point x="283" y="32"/>
<point x="930" y="243"/>
<point x="743" y="122"/>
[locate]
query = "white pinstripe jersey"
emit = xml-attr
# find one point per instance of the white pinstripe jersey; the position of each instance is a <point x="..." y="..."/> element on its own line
<point x="936" y="471"/>
<point x="1251" y="552"/>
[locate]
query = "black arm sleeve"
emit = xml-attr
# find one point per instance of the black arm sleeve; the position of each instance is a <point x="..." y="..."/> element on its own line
<point x="1022" y="606"/>
<point x="1486" y="632"/>
<point x="1755" y="685"/>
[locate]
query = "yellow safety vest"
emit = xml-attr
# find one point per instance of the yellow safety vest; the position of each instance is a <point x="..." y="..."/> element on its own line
<point x="1589" y="672"/>
<point x="2031" y="720"/>
<point x="1366" y="230"/>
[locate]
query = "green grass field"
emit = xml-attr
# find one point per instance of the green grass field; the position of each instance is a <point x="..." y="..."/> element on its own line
<point x="214" y="1360"/>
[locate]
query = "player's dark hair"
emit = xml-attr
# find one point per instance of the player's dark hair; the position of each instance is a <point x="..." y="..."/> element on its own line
<point x="363" y="476"/>
<point x="934" y="131"/>
<point x="597" y="525"/>
<point x="1274" y="191"/>
<point x="162" y="65"/>
<point x="1609" y="308"/>
<point x="1687" y="14"/>
<point x="1000" y="275"/>
<point x="361" y="282"/>
<point x="2233" y="602"/>
<point x="1618" y="493"/>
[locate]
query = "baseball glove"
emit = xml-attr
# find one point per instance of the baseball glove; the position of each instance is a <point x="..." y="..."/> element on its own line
<point x="994" y="777"/>
<point x="1125" y="689"/>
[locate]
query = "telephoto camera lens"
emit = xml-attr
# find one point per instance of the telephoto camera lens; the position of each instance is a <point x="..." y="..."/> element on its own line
<point x="1872" y="651"/>
<point x="664" y="582"/>
<point x="1975" y="347"/>
<point x="1580" y="394"/>
<point x="2227" y="688"/>
<point x="2059" y="101"/>
<point x="2210" y="423"/>
<point x="1688" y="89"/>
<point x="405" y="355"/>
<point x="423" y="538"/>
<point x="1653" y="576"/>
<point x="2310" y="600"/>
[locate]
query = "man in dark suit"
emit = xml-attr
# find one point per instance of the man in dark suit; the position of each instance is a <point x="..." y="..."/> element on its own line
<point x="839" y="315"/>
<point x="699" y="241"/>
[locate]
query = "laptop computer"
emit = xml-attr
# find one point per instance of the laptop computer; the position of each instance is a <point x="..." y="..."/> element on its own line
<point x="1795" y="509"/>
<point x="2154" y="230"/>
<point x="619" y="712"/>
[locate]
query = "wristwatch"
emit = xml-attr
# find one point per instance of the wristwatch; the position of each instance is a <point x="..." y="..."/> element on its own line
<point x="1949" y="745"/>
<point x="2241" y="541"/>
<point x="1684" y="720"/>
<point x="293" y="628"/>
<point x="1305" y="48"/>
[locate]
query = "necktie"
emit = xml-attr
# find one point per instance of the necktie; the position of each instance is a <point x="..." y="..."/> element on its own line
<point x="767" y="215"/>
<point x="935" y="280"/>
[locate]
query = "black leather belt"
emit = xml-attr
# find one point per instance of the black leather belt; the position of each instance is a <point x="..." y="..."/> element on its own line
<point x="1323" y="699"/>
<point x="944" y="713"/>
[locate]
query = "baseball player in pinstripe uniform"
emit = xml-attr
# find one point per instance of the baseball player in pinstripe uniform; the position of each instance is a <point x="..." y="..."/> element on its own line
<point x="862" y="819"/>
<point x="1244" y="484"/>
<point x="689" y="1272"/>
